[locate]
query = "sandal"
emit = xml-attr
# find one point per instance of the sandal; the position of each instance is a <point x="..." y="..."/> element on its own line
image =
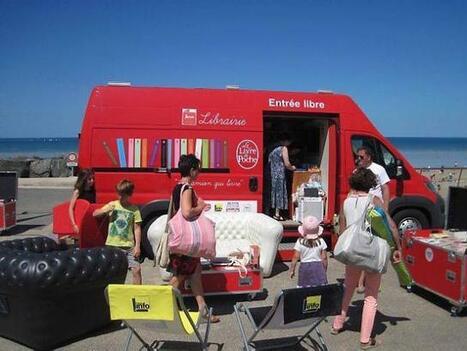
<point x="278" y="218"/>
<point x="336" y="331"/>
<point x="215" y="319"/>
<point x="370" y="344"/>
<point x="212" y="319"/>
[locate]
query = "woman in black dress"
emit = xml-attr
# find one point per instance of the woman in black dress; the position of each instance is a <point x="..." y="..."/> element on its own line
<point x="84" y="189"/>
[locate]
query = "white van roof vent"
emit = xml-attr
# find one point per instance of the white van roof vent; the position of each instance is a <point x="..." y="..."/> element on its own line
<point x="119" y="84"/>
<point x="232" y="87"/>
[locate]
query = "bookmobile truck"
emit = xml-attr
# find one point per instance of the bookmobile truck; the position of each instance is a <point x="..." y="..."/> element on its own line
<point x="139" y="133"/>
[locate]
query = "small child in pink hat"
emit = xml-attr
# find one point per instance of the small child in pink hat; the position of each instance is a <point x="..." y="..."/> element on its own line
<point x="311" y="250"/>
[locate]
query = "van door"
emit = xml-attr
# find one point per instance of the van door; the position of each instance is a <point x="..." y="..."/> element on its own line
<point x="329" y="171"/>
<point x="412" y="205"/>
<point x="313" y="145"/>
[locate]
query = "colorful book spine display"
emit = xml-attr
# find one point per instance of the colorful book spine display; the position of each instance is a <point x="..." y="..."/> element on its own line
<point x="205" y="154"/>
<point x="121" y="152"/>
<point x="131" y="152"/>
<point x="137" y="159"/>
<point x="155" y="149"/>
<point x="212" y="153"/>
<point x="176" y="152"/>
<point x="144" y="153"/>
<point x="198" y="148"/>
<point x="169" y="153"/>
<point x="165" y="153"/>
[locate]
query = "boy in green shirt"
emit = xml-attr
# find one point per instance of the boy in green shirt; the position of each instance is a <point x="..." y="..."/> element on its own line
<point x="124" y="226"/>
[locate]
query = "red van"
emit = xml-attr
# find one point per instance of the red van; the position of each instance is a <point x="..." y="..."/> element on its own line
<point x="140" y="132"/>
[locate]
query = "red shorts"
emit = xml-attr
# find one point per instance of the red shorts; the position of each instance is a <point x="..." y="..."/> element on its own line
<point x="182" y="265"/>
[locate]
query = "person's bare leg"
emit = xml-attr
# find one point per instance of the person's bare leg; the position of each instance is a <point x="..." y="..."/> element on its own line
<point x="198" y="292"/>
<point x="351" y="280"/>
<point x="177" y="280"/>
<point x="137" y="278"/>
<point x="361" y="283"/>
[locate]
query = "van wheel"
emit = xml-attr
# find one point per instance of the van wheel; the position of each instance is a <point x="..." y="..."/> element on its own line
<point x="146" y="248"/>
<point x="410" y="219"/>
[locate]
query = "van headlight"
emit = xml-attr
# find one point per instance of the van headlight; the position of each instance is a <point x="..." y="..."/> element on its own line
<point x="431" y="186"/>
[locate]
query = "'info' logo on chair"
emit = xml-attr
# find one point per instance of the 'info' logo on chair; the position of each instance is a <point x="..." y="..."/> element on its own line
<point x="311" y="304"/>
<point x="141" y="304"/>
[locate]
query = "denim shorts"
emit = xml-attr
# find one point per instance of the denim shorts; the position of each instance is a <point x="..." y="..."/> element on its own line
<point x="132" y="261"/>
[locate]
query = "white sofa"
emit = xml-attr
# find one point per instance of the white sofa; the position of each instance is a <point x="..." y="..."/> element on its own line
<point x="236" y="231"/>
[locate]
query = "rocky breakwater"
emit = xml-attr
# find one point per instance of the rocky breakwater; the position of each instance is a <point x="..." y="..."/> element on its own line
<point x="36" y="167"/>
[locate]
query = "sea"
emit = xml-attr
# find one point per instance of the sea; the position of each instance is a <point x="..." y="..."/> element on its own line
<point x="420" y="152"/>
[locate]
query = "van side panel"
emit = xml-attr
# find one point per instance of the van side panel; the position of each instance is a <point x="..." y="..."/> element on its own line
<point x="230" y="119"/>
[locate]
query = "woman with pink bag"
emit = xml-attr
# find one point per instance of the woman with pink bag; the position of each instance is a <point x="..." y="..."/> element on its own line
<point x="184" y="198"/>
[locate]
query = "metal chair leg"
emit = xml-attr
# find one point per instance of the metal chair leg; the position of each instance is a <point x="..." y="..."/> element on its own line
<point x="242" y="330"/>
<point x="130" y="334"/>
<point x="132" y="331"/>
<point x="321" y="339"/>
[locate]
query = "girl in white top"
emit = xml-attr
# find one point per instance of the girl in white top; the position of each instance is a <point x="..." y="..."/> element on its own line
<point x="311" y="250"/>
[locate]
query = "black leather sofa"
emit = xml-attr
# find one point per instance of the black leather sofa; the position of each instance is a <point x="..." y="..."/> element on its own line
<point x="50" y="295"/>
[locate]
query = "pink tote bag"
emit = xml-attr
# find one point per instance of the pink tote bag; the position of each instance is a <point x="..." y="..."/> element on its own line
<point x="194" y="238"/>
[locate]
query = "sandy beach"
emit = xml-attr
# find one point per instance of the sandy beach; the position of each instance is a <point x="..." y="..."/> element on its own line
<point x="443" y="178"/>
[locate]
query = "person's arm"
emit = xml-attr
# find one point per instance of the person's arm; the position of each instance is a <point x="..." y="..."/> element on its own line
<point x="324" y="259"/>
<point x="188" y="211"/>
<point x="342" y="221"/>
<point x="397" y="254"/>
<point x="384" y="181"/>
<point x="285" y="158"/>
<point x="137" y="248"/>
<point x="71" y="210"/>
<point x="103" y="210"/>
<point x="385" y="192"/>
<point x="293" y="264"/>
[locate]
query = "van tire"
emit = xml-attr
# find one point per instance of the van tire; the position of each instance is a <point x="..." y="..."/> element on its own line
<point x="410" y="218"/>
<point x="146" y="248"/>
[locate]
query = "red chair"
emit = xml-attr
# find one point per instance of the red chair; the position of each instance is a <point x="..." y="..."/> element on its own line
<point x="92" y="231"/>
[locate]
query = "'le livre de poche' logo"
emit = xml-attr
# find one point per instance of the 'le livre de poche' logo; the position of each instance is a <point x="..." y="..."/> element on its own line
<point x="311" y="304"/>
<point x="141" y="304"/>
<point x="247" y="154"/>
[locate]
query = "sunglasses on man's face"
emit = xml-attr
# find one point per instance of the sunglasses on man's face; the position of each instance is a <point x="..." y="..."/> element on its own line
<point x="360" y="157"/>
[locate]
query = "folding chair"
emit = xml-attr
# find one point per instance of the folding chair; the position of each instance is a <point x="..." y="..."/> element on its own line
<point x="154" y="307"/>
<point x="292" y="308"/>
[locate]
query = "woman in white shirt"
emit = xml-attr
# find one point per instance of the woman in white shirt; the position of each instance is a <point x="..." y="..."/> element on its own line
<point x="361" y="181"/>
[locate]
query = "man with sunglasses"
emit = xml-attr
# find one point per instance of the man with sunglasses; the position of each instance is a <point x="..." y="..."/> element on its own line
<point x="365" y="159"/>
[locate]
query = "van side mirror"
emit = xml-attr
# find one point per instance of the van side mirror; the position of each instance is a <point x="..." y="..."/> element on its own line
<point x="399" y="169"/>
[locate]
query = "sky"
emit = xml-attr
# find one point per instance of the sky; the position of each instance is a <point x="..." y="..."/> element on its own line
<point x="403" y="62"/>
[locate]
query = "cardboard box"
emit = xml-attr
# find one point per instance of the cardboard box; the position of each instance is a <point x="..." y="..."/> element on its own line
<point x="310" y="206"/>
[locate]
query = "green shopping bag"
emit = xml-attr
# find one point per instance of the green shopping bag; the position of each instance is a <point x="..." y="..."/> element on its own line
<point x="380" y="227"/>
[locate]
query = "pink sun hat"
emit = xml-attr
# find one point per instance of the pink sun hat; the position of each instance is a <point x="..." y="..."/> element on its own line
<point x="310" y="228"/>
